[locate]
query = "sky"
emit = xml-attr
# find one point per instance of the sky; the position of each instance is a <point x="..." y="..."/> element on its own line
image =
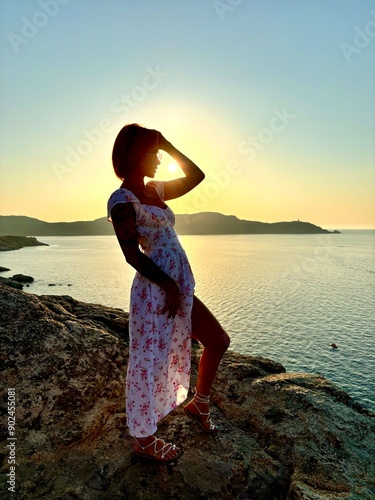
<point x="273" y="99"/>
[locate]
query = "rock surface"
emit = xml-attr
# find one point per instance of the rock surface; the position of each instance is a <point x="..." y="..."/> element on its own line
<point x="10" y="282"/>
<point x="17" y="280"/>
<point x="22" y="278"/>
<point x="283" y="435"/>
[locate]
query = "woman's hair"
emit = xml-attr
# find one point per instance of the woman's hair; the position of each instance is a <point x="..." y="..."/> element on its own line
<point x="131" y="144"/>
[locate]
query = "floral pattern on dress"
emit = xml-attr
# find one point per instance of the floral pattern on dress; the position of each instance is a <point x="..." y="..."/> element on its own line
<point x="158" y="372"/>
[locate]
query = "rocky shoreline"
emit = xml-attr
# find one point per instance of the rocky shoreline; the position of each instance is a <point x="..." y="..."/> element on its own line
<point x="10" y="242"/>
<point x="16" y="281"/>
<point x="283" y="435"/>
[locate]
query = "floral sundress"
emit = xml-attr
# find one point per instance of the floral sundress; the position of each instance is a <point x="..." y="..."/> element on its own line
<point x="158" y="371"/>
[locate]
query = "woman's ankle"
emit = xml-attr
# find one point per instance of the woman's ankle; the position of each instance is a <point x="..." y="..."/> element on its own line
<point x="144" y="441"/>
<point x="202" y="397"/>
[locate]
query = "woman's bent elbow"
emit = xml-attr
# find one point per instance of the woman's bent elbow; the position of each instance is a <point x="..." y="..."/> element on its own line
<point x="132" y="259"/>
<point x="199" y="178"/>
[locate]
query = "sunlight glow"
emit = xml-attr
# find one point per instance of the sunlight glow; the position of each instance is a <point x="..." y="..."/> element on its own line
<point x="172" y="167"/>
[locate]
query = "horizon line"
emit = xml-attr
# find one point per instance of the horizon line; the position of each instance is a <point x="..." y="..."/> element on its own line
<point x="356" y="228"/>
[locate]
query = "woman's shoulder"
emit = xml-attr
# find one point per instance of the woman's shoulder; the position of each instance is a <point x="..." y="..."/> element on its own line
<point x="124" y="195"/>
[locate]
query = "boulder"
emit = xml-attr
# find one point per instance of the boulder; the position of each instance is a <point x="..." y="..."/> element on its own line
<point x="283" y="435"/>
<point x="10" y="282"/>
<point x="22" y="278"/>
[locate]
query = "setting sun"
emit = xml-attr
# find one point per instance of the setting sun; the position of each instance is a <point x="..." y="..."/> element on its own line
<point x="172" y="167"/>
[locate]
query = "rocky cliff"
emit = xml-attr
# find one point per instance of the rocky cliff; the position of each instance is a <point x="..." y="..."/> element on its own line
<point x="283" y="435"/>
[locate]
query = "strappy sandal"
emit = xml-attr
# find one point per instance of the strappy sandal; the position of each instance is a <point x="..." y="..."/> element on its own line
<point x="164" y="450"/>
<point x="203" y="419"/>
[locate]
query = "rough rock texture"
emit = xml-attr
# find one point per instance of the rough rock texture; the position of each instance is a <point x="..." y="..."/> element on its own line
<point x="16" y="281"/>
<point x="283" y="435"/>
<point x="10" y="282"/>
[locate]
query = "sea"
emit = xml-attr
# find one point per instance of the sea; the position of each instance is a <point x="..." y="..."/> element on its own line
<point x="283" y="297"/>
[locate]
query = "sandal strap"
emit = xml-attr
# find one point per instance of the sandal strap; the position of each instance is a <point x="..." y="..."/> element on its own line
<point x="202" y="398"/>
<point x="201" y="413"/>
<point x="166" y="447"/>
<point x="147" y="445"/>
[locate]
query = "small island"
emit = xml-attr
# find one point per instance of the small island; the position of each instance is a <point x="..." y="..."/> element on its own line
<point x="9" y="242"/>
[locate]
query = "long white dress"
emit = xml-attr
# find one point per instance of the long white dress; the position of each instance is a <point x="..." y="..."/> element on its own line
<point x="160" y="347"/>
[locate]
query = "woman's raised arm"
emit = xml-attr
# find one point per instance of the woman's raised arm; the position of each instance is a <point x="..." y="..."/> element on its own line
<point x="193" y="174"/>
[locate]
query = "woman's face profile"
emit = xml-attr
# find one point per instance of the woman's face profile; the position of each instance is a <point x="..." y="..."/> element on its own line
<point x="150" y="162"/>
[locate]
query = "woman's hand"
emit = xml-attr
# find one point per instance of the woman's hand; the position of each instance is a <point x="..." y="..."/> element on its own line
<point x="173" y="298"/>
<point x="162" y="142"/>
<point x="193" y="174"/>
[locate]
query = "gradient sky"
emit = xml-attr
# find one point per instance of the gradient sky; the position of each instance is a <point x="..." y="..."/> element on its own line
<point x="273" y="99"/>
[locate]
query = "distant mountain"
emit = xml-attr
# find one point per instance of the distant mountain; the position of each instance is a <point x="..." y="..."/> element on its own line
<point x="215" y="223"/>
<point x="27" y="226"/>
<point x="200" y="223"/>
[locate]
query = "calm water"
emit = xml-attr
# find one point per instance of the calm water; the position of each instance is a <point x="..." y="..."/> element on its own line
<point x="285" y="297"/>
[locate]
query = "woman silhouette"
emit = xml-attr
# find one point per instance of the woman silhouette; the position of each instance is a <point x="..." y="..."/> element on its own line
<point x="164" y="312"/>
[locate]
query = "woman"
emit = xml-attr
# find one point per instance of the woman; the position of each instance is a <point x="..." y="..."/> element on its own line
<point x="164" y="312"/>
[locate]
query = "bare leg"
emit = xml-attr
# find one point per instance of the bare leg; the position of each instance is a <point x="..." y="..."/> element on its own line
<point x="208" y="331"/>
